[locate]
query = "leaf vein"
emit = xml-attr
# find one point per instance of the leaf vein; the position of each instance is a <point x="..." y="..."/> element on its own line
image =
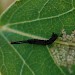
<point x="18" y="54"/>
<point x="42" y="8"/>
<point x="54" y="61"/>
<point x="22" y="22"/>
<point x="22" y="69"/>
<point x="17" y="10"/>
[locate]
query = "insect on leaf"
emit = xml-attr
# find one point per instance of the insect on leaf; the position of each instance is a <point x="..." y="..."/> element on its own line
<point x="35" y="19"/>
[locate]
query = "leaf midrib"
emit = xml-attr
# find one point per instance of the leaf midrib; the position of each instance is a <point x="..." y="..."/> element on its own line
<point x="35" y="37"/>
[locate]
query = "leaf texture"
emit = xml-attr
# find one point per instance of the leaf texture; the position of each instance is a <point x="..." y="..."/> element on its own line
<point x="26" y="19"/>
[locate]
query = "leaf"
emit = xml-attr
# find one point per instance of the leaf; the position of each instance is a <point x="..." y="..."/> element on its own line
<point x="27" y="19"/>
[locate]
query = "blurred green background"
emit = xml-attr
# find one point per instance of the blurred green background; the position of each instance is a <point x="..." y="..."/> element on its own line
<point x="4" y="4"/>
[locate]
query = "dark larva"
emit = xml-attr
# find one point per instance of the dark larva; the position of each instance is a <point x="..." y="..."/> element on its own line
<point x="38" y="41"/>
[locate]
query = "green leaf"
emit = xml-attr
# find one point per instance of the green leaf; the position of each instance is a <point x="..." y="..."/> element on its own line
<point x="26" y="19"/>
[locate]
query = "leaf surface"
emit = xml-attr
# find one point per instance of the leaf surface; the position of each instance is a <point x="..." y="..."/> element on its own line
<point x="26" y="19"/>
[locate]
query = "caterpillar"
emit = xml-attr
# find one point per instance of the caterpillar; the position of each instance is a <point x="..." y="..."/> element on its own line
<point x="38" y="41"/>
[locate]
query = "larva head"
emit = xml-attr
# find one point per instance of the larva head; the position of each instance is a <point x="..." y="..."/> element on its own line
<point x="54" y="35"/>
